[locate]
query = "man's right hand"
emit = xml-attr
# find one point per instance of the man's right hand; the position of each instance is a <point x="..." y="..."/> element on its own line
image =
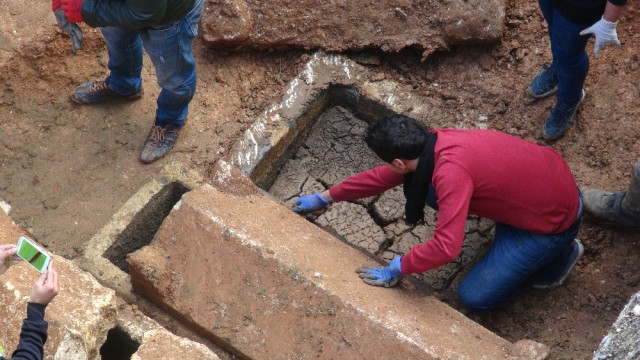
<point x="45" y="288"/>
<point x="605" y="33"/>
<point x="386" y="276"/>
<point x="7" y="256"/>
<point x="70" y="28"/>
<point x="310" y="203"/>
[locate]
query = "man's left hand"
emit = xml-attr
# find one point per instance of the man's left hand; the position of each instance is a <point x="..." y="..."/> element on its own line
<point x="387" y="276"/>
<point x="46" y="287"/>
<point x="605" y="33"/>
<point x="70" y="28"/>
<point x="310" y="203"/>
<point x="7" y="256"/>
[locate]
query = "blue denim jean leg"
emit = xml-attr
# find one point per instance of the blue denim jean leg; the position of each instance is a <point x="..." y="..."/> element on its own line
<point x="170" y="48"/>
<point x="516" y="258"/>
<point x="568" y="49"/>
<point x="125" y="59"/>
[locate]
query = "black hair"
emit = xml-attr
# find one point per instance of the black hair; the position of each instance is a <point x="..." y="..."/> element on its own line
<point x="397" y="137"/>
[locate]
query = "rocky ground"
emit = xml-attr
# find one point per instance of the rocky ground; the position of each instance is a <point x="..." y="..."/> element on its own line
<point x="66" y="168"/>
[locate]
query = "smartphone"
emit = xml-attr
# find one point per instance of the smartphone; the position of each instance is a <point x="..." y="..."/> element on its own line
<point x="32" y="254"/>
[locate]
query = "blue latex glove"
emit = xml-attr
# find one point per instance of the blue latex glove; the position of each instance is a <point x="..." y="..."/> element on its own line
<point x="310" y="202"/>
<point x="387" y="276"/>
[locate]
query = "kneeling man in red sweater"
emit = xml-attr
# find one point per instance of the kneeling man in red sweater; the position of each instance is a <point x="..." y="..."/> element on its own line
<point x="527" y="189"/>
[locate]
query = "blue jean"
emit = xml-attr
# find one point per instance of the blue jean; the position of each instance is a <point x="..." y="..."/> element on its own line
<point x="517" y="259"/>
<point x="570" y="59"/>
<point x="169" y="47"/>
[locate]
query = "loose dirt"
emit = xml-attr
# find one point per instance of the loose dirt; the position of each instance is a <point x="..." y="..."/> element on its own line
<point x="66" y="168"/>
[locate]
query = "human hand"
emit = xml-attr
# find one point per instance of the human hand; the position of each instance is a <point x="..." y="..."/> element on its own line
<point x="70" y="28"/>
<point x="45" y="288"/>
<point x="310" y="202"/>
<point x="605" y="33"/>
<point x="387" y="276"/>
<point x="7" y="256"/>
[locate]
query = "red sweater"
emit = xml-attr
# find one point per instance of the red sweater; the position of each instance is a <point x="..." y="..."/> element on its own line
<point x="485" y="173"/>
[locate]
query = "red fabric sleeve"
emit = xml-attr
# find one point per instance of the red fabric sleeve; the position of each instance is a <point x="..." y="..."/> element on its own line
<point x="454" y="192"/>
<point x="367" y="183"/>
<point x="72" y="9"/>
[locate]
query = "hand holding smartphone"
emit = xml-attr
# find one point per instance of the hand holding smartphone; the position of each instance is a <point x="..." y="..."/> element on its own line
<point x="32" y="254"/>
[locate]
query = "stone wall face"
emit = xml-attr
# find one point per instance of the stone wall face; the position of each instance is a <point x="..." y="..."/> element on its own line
<point x="247" y="271"/>
<point x="351" y="25"/>
<point x="82" y="314"/>
<point x="79" y="317"/>
<point x="622" y="342"/>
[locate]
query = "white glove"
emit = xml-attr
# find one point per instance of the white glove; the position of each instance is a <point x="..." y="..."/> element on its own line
<point x="605" y="33"/>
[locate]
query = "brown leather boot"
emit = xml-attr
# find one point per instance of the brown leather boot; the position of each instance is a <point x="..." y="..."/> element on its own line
<point x="96" y="91"/>
<point x="160" y="140"/>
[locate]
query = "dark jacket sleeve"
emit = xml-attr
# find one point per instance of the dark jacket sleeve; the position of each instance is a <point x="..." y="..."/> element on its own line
<point x="33" y="334"/>
<point x="131" y="14"/>
<point x="134" y="14"/>
<point x="585" y="12"/>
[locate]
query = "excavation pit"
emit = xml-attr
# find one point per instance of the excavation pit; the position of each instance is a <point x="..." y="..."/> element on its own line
<point x="140" y="231"/>
<point x="134" y="226"/>
<point x="266" y="283"/>
<point x="334" y="149"/>
<point x="315" y="138"/>
<point x="118" y="346"/>
<point x="321" y="101"/>
<point x="332" y="87"/>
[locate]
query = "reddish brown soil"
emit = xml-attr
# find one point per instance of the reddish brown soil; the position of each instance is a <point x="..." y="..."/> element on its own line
<point x="66" y="169"/>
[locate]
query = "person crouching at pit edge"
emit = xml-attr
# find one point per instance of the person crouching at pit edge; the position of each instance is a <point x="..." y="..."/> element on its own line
<point x="527" y="189"/>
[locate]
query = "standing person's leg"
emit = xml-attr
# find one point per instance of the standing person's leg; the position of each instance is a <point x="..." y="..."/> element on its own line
<point x="125" y="64"/>
<point x="513" y="258"/>
<point x="170" y="49"/>
<point x="621" y="207"/>
<point x="571" y="64"/>
<point x="547" y="9"/>
<point x="545" y="83"/>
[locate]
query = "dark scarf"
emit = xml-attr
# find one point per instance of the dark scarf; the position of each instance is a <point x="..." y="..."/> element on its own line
<point x="416" y="183"/>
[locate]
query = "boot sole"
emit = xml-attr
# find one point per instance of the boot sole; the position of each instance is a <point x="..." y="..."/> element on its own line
<point x="542" y="96"/>
<point x="133" y="97"/>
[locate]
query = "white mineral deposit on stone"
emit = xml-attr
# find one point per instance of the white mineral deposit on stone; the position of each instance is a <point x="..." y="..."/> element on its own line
<point x="636" y="310"/>
<point x="224" y="172"/>
<point x="5" y="207"/>
<point x="317" y="275"/>
<point x="9" y="286"/>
